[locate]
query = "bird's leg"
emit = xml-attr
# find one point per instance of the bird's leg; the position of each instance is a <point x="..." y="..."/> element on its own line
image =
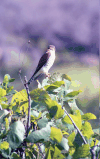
<point x="48" y="75"/>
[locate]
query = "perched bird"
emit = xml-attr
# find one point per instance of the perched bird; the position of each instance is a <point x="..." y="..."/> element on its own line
<point x="45" y="63"/>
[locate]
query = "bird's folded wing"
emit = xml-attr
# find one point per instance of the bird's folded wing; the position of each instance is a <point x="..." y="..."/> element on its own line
<point x="43" y="60"/>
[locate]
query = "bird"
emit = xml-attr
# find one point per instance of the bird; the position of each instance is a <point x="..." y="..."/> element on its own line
<point x="44" y="64"/>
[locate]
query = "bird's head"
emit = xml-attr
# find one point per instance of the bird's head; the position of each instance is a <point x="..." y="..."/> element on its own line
<point x="52" y="47"/>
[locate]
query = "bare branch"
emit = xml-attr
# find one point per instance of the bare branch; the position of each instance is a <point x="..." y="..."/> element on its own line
<point x="29" y="106"/>
<point x="85" y="142"/>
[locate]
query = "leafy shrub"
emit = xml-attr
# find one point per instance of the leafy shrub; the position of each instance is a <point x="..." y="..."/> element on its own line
<point x="53" y="132"/>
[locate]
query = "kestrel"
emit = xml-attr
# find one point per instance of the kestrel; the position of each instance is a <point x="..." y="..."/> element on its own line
<point x="45" y="63"/>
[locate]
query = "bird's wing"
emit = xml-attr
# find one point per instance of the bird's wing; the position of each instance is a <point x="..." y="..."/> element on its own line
<point x="43" y="60"/>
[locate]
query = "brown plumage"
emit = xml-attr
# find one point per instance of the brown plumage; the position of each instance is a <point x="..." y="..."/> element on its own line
<point x="45" y="63"/>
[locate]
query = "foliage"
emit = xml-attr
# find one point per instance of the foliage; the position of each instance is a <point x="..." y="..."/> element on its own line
<point x="52" y="134"/>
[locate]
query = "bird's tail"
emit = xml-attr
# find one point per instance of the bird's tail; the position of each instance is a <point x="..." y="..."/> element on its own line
<point x="31" y="79"/>
<point x="34" y="78"/>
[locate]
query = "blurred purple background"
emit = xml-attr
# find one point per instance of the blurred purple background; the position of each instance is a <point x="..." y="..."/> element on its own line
<point x="72" y="26"/>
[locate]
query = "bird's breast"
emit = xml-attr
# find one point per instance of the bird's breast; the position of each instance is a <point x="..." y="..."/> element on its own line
<point x="49" y="62"/>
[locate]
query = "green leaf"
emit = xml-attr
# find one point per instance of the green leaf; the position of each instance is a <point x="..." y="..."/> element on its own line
<point x="34" y="104"/>
<point x="48" y="155"/>
<point x="67" y="120"/>
<point x="67" y="84"/>
<point x="28" y="154"/>
<point x="19" y="102"/>
<point x="73" y="105"/>
<point x="6" y="80"/>
<point x="78" y="141"/>
<point x="87" y="130"/>
<point x="56" y="134"/>
<point x="55" y="109"/>
<point x="6" y="123"/>
<point x="1" y="85"/>
<point x="65" y="133"/>
<point x="5" y="106"/>
<point x="11" y="92"/>
<point x="71" y="138"/>
<point x="71" y="152"/>
<point x="19" y="96"/>
<point x="42" y="123"/>
<point x="92" y="143"/>
<point x="9" y="89"/>
<point x="82" y="151"/>
<point x="3" y="99"/>
<point x="12" y="79"/>
<point x="54" y="85"/>
<point x="3" y="113"/>
<point x="76" y="118"/>
<point x="35" y="113"/>
<point x="15" y="156"/>
<point x="55" y="77"/>
<point x="6" y="152"/>
<point x="74" y="93"/>
<point x="37" y="135"/>
<point x="57" y="154"/>
<point x="65" y="76"/>
<point x="96" y="132"/>
<point x="49" y="147"/>
<point x="2" y="92"/>
<point x="88" y="116"/>
<point x="40" y="96"/>
<point x="16" y="134"/>
<point x="64" y="144"/>
<point x="4" y="145"/>
<point x="7" y="77"/>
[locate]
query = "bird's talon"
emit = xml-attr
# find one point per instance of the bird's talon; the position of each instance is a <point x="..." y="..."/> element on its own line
<point x="48" y="75"/>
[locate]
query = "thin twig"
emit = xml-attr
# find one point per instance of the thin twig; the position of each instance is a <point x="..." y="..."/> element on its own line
<point x="20" y="69"/>
<point x="98" y="154"/>
<point x="29" y="106"/>
<point x="92" y="150"/>
<point x="43" y="156"/>
<point x="85" y="142"/>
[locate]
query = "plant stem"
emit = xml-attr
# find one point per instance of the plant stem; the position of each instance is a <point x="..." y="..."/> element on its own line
<point x="85" y="142"/>
<point x="29" y="106"/>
